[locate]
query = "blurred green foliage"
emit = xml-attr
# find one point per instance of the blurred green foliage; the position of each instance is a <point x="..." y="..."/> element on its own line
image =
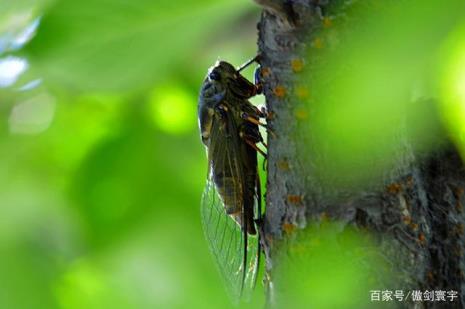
<point x="102" y="166"/>
<point x="122" y="45"/>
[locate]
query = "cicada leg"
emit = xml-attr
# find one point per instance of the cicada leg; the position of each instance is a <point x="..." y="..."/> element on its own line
<point x="249" y="62"/>
<point x="251" y="137"/>
<point x="254" y="120"/>
<point x="258" y="80"/>
<point x="254" y="146"/>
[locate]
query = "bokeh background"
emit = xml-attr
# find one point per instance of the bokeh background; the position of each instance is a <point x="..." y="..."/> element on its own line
<point x="101" y="165"/>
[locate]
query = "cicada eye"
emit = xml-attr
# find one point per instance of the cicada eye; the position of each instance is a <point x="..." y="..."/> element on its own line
<point x="214" y="76"/>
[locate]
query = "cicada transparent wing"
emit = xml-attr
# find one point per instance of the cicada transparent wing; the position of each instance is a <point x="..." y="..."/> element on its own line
<point x="227" y="241"/>
<point x="222" y="209"/>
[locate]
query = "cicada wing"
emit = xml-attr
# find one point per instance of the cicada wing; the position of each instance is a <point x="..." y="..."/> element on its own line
<point x="235" y="252"/>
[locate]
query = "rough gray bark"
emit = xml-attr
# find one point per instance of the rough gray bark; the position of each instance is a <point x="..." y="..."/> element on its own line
<point x="419" y="205"/>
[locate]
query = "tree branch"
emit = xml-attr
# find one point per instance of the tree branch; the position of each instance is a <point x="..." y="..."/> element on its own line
<point x="417" y="211"/>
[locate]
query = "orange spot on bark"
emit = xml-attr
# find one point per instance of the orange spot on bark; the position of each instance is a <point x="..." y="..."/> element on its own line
<point x="294" y="199"/>
<point x="283" y="165"/>
<point x="297" y="65"/>
<point x="394" y="188"/>
<point x="265" y="72"/>
<point x="279" y="91"/>
<point x="318" y="43"/>
<point x="421" y="238"/>
<point x="327" y="22"/>
<point x="407" y="220"/>
<point x="301" y="92"/>
<point x="288" y="228"/>
<point x="301" y="114"/>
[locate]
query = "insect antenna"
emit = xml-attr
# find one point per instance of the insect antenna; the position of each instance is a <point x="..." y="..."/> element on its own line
<point x="245" y="65"/>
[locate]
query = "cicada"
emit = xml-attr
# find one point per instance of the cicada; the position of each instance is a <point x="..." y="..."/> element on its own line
<point x="231" y="203"/>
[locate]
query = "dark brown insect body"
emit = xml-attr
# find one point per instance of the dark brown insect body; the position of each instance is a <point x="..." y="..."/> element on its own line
<point x="228" y="125"/>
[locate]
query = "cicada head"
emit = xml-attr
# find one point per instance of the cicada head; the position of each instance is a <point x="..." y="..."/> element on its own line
<point x="222" y="71"/>
<point x="215" y="84"/>
<point x="224" y="75"/>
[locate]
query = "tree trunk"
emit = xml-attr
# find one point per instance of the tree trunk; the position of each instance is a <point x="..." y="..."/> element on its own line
<point x="416" y="214"/>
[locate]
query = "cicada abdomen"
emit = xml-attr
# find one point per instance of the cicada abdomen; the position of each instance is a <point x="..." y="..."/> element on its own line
<point x="231" y="203"/>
